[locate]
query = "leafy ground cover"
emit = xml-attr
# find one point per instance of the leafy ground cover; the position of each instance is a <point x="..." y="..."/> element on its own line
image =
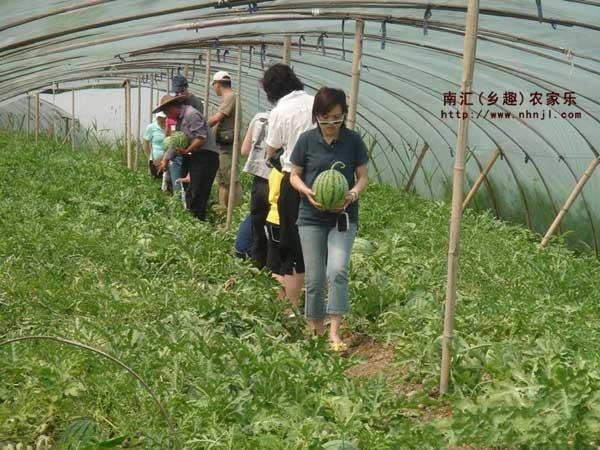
<point x="94" y="253"/>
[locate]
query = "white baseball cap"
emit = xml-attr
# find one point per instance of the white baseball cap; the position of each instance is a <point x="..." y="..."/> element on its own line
<point x="160" y="114"/>
<point x="220" y="76"/>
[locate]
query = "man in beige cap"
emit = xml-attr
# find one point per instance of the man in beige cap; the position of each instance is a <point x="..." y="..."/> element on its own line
<point x="224" y="121"/>
<point x="201" y="156"/>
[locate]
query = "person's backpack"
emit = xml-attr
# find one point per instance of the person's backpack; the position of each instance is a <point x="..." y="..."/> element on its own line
<point x="259" y="133"/>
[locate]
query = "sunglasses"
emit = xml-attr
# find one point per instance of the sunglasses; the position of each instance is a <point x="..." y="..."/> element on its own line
<point x="331" y="122"/>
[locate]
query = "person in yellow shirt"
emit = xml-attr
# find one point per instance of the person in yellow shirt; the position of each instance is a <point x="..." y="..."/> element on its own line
<point x="272" y="230"/>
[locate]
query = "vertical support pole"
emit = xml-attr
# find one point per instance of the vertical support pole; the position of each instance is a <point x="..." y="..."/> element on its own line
<point x="37" y="117"/>
<point x="356" y="66"/>
<point x="73" y="119"/>
<point x="570" y="200"/>
<point x="54" y="127"/>
<point x="236" y="142"/>
<point x="415" y="170"/>
<point x="28" y="115"/>
<point x="287" y="44"/>
<point x="470" y="49"/>
<point x="186" y="70"/>
<point x="207" y="82"/>
<point x="128" y="122"/>
<point x="167" y="82"/>
<point x="151" y="105"/>
<point x="138" y="138"/>
<point x="481" y="178"/>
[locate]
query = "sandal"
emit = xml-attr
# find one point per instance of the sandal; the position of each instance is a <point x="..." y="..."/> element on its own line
<point x="338" y="347"/>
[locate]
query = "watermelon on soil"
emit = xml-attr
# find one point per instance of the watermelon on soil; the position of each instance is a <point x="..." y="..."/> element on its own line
<point x="363" y="247"/>
<point x="330" y="187"/>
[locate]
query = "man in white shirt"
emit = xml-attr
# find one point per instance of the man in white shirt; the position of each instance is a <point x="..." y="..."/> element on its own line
<point x="291" y="117"/>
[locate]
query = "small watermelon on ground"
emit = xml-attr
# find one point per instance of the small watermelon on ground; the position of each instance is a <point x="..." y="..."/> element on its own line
<point x="363" y="247"/>
<point x="330" y="187"/>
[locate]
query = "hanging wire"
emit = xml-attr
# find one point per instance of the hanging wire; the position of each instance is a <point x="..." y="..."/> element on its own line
<point x="225" y="53"/>
<point x="263" y="55"/>
<point x="321" y="42"/>
<point x="251" y="49"/>
<point x="300" y="40"/>
<point x="384" y="33"/>
<point x="343" y="40"/>
<point x="426" y="16"/>
<point x="571" y="59"/>
<point x="540" y="13"/>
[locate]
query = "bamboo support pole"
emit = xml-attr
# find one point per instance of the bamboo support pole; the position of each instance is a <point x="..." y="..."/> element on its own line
<point x="54" y="127"/>
<point x="167" y="82"/>
<point x="28" y="115"/>
<point x="236" y="142"/>
<point x="470" y="49"/>
<point x="481" y="178"/>
<point x="37" y="117"/>
<point x="415" y="170"/>
<point x="151" y="103"/>
<point x="356" y="66"/>
<point x="138" y="139"/>
<point x="570" y="200"/>
<point x="207" y="82"/>
<point x="73" y="119"/>
<point x="128" y="122"/>
<point x="186" y="70"/>
<point x="287" y="45"/>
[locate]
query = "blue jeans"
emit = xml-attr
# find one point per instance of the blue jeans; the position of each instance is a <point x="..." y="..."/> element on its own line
<point x="326" y="258"/>
<point x="176" y="171"/>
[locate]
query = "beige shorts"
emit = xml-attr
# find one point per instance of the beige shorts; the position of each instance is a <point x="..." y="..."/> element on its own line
<point x="224" y="173"/>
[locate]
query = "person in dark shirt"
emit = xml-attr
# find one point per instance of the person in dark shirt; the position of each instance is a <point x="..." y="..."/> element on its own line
<point x="327" y="236"/>
<point x="180" y="86"/>
<point x="201" y="155"/>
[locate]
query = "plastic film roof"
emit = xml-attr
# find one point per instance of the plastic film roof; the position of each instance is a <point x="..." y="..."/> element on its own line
<point x="412" y="56"/>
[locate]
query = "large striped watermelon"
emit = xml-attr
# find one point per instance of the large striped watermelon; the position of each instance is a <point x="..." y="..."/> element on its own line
<point x="330" y="187"/>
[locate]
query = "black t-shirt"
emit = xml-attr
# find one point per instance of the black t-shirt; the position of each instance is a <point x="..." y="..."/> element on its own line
<point x="194" y="101"/>
<point x="314" y="155"/>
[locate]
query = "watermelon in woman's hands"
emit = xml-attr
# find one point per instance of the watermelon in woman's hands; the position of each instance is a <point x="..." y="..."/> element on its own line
<point x="330" y="188"/>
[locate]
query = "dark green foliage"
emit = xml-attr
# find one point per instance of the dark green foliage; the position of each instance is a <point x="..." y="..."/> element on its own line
<point x="95" y="253"/>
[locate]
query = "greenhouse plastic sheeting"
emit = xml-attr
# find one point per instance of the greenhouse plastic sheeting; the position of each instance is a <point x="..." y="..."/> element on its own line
<point x="542" y="55"/>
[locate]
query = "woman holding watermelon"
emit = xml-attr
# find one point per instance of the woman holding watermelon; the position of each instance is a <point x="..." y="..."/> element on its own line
<point x="328" y="218"/>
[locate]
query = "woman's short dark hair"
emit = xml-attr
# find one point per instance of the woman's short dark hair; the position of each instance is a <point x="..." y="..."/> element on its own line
<point x="326" y="99"/>
<point x="278" y="81"/>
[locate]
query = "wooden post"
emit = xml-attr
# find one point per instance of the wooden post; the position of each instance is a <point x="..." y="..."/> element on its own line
<point x="151" y="99"/>
<point x="481" y="179"/>
<point x="186" y="70"/>
<point x="415" y="170"/>
<point x="167" y="83"/>
<point x="138" y="139"/>
<point x="28" y="115"/>
<point x="73" y="119"/>
<point x="54" y="127"/>
<point x="236" y="142"/>
<point x="127" y="84"/>
<point x="207" y="83"/>
<point x="287" y="44"/>
<point x="37" y="117"/>
<point x="470" y="50"/>
<point x="356" y="66"/>
<point x="570" y="200"/>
